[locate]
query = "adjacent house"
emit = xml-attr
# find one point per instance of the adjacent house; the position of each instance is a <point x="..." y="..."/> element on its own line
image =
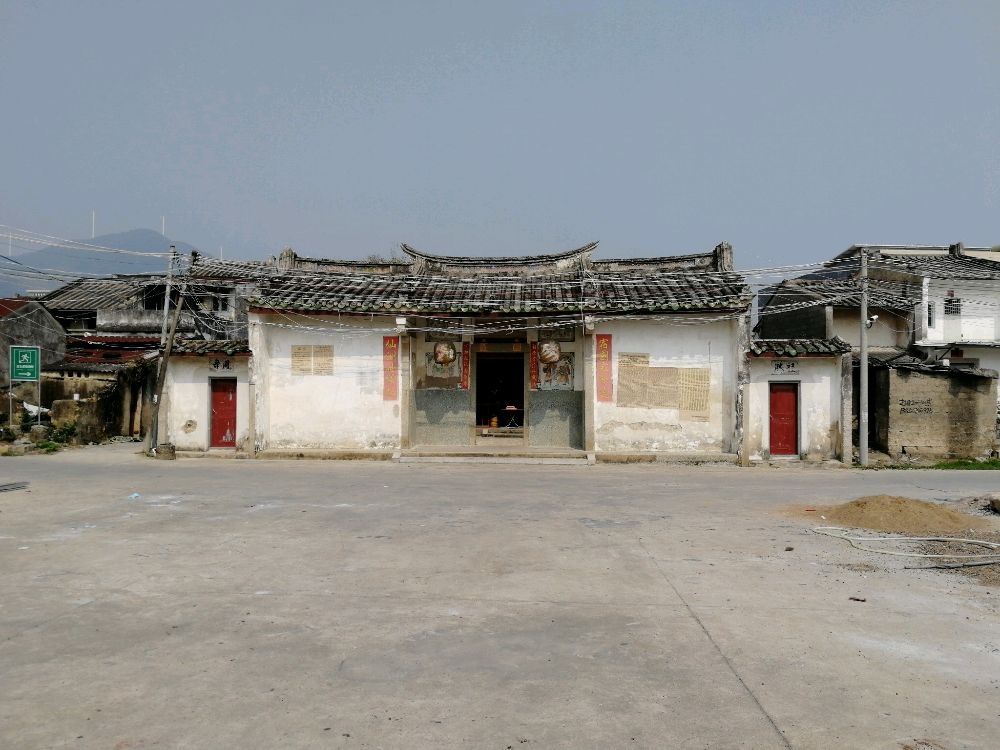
<point x="934" y="338"/>
<point x="799" y="399"/>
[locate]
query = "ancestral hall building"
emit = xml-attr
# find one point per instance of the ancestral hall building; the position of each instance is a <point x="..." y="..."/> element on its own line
<point x="497" y="354"/>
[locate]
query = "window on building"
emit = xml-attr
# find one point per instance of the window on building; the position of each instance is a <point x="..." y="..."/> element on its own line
<point x="930" y="314"/>
<point x="953" y="306"/>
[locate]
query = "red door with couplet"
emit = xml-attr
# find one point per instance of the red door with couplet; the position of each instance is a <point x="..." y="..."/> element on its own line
<point x="223" y="428"/>
<point x="784" y="408"/>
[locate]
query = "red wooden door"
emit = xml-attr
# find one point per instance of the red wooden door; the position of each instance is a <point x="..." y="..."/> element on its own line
<point x="784" y="404"/>
<point x="223" y="428"/>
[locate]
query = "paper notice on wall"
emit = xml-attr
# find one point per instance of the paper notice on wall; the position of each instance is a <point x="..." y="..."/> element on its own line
<point x="695" y="385"/>
<point x="640" y="385"/>
<point x="322" y="363"/>
<point x="308" y="359"/>
<point x="643" y="386"/>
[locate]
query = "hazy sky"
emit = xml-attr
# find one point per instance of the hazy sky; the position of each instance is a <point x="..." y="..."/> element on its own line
<point x="789" y="129"/>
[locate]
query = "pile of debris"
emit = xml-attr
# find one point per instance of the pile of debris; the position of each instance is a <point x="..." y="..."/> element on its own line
<point x="944" y="537"/>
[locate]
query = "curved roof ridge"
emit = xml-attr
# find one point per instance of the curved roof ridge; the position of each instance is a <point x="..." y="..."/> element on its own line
<point x="497" y="259"/>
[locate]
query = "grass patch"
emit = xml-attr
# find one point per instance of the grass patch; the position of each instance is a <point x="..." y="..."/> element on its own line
<point x="965" y="463"/>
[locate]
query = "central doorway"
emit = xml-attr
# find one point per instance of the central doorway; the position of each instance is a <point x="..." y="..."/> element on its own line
<point x="500" y="395"/>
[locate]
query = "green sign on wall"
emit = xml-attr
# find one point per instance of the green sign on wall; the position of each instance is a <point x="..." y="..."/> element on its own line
<point x="25" y="363"/>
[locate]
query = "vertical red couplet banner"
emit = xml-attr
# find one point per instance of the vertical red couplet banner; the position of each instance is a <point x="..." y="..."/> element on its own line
<point x="466" y="365"/>
<point x="533" y="366"/>
<point x="605" y="387"/>
<point x="390" y="368"/>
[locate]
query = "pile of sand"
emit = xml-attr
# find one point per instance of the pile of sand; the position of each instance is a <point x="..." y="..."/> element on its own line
<point x="901" y="515"/>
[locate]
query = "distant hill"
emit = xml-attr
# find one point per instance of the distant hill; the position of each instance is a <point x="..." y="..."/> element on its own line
<point x="80" y="262"/>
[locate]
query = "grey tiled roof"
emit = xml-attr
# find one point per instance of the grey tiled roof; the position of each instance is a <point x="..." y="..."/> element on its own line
<point x="226" y="347"/>
<point x="93" y="294"/>
<point x="799" y="347"/>
<point x="841" y="292"/>
<point x="614" y="292"/>
<point x="940" y="266"/>
<point x="915" y="361"/>
<point x="205" y="267"/>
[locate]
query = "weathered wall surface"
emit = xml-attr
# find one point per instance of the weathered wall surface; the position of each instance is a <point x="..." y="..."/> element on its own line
<point x="555" y="419"/>
<point x="940" y="415"/>
<point x="186" y="410"/>
<point x="31" y="325"/>
<point x="708" y="347"/>
<point x="805" y="322"/>
<point x="987" y="358"/>
<point x="443" y="417"/>
<point x="820" y="405"/>
<point x="343" y="410"/>
<point x="139" y="321"/>
<point x="889" y="329"/>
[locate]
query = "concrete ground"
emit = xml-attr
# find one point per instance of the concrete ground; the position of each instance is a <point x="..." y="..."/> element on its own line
<point x="296" y="604"/>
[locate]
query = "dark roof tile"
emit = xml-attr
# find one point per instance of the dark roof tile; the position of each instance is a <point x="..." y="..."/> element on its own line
<point x="799" y="347"/>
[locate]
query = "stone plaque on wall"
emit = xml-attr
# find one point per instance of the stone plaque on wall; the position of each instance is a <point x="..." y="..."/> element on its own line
<point x="312" y="359"/>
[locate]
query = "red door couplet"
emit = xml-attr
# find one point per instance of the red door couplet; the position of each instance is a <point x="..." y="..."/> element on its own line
<point x="223" y="428"/>
<point x="784" y="404"/>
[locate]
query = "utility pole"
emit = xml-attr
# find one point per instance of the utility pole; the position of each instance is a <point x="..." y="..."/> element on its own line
<point x="161" y="375"/>
<point x="93" y="224"/>
<point x="166" y="296"/>
<point x="863" y="400"/>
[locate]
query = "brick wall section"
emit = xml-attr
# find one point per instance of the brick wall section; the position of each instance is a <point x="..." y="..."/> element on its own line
<point x="940" y="414"/>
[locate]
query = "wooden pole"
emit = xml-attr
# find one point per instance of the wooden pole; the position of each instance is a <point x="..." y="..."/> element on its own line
<point x="161" y="374"/>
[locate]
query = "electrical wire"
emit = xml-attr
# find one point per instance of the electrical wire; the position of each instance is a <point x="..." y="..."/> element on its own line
<point x="853" y="541"/>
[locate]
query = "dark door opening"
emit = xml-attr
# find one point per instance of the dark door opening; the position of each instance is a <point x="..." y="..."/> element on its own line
<point x="784" y="422"/>
<point x="223" y="425"/>
<point x="500" y="391"/>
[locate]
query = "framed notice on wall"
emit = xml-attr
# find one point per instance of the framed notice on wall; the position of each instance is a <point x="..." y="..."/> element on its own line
<point x="308" y="359"/>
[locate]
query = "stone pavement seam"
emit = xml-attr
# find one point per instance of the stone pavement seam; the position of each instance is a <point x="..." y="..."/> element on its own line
<point x="718" y="649"/>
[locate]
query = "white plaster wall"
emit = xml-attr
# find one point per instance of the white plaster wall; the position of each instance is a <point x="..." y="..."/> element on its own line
<point x="988" y="358"/>
<point x="671" y="343"/>
<point x="343" y="411"/>
<point x="980" y="318"/>
<point x="188" y="401"/>
<point x="819" y="405"/>
<point x="887" y="331"/>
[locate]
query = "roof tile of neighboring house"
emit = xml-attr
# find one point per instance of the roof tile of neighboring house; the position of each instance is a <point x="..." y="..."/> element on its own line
<point x="939" y="266"/>
<point x="799" y="347"/>
<point x="901" y="359"/>
<point x="840" y="292"/>
<point x="226" y="347"/>
<point x="7" y="306"/>
<point x="94" y="294"/>
<point x="212" y="268"/>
